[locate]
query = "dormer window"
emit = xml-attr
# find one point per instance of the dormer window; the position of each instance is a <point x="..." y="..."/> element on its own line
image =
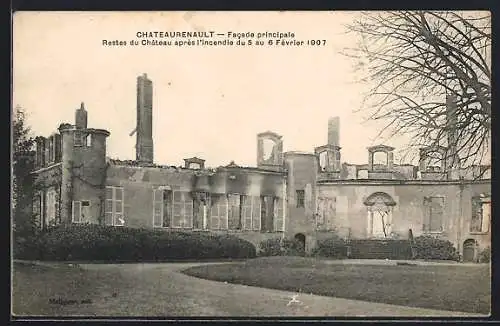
<point x="380" y="158"/>
<point x="194" y="163"/>
<point x="195" y="166"/>
<point x="432" y="159"/>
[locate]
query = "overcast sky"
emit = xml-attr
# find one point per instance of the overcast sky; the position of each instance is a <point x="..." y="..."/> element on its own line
<point x="208" y="102"/>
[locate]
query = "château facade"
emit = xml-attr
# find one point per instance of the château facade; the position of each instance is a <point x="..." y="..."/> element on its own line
<point x="303" y="195"/>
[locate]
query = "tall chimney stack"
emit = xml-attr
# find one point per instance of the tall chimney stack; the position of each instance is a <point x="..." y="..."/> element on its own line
<point x="144" y="140"/>
<point x="81" y="117"/>
<point x="333" y="131"/>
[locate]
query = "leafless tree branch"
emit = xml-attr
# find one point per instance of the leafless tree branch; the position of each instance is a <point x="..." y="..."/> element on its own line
<point x="421" y="63"/>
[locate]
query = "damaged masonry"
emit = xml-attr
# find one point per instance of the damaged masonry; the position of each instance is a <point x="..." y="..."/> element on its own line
<point x="297" y="195"/>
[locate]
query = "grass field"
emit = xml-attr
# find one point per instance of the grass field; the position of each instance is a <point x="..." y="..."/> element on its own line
<point x="59" y="289"/>
<point x="445" y="287"/>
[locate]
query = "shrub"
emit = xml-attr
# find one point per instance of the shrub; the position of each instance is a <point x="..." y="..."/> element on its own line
<point x="334" y="247"/>
<point x="485" y="255"/>
<point x="24" y="238"/>
<point x="281" y="247"/>
<point x="24" y="247"/>
<point x="428" y="247"/>
<point x="106" y="243"/>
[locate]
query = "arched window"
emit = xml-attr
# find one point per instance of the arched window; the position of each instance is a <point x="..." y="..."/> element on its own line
<point x="379" y="219"/>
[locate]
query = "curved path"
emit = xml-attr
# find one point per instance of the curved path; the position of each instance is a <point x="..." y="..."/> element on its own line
<point x="161" y="290"/>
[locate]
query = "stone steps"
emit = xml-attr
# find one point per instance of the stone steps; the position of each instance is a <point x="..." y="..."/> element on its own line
<point x="380" y="249"/>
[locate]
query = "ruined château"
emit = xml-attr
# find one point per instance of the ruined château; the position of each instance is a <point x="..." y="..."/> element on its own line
<point x="302" y="195"/>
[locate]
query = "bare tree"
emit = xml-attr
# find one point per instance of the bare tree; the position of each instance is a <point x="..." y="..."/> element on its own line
<point x="419" y="63"/>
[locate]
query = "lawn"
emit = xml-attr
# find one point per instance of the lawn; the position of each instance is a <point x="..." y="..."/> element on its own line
<point x="118" y="290"/>
<point x="58" y="290"/>
<point x="454" y="288"/>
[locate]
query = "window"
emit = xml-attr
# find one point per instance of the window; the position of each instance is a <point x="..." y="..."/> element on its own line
<point x="251" y="212"/>
<point x="256" y="225"/>
<point x="433" y="161"/>
<point x="433" y="214"/>
<point x="300" y="198"/>
<point x="77" y="212"/>
<point x="323" y="160"/>
<point x="268" y="146"/>
<point x="194" y="165"/>
<point x="51" y="207"/>
<point x="162" y="207"/>
<point x="88" y="140"/>
<point x="380" y="160"/>
<point x="380" y="207"/>
<point x="267" y="214"/>
<point x="325" y="212"/>
<point x="42" y="211"/>
<point x="218" y="212"/>
<point x="379" y="221"/>
<point x="157" y="208"/>
<point x="200" y="211"/>
<point x="183" y="210"/>
<point x="278" y="215"/>
<point x="167" y="209"/>
<point x="80" y="211"/>
<point x="187" y="221"/>
<point x="481" y="214"/>
<point x="57" y="148"/>
<point x="246" y="212"/>
<point x="78" y="138"/>
<point x="38" y="208"/>
<point x="114" y="206"/>
<point x="234" y="213"/>
<point x="40" y="152"/>
<point x="52" y="151"/>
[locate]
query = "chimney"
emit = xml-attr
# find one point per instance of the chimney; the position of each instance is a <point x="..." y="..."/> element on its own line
<point x="144" y="136"/>
<point x="333" y="131"/>
<point x="81" y="117"/>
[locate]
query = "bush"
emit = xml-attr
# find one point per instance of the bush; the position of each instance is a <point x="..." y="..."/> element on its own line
<point x="485" y="255"/>
<point x="332" y="248"/>
<point x="428" y="247"/>
<point x="281" y="247"/>
<point x="25" y="238"/>
<point x="24" y="247"/>
<point x="106" y="243"/>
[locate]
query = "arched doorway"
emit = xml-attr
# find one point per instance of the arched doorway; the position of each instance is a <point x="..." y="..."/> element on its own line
<point x="302" y="239"/>
<point x="379" y="219"/>
<point x="469" y="251"/>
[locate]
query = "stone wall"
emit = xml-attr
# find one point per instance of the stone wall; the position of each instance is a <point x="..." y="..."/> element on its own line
<point x="409" y="211"/>
<point x="302" y="175"/>
<point x="139" y="183"/>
